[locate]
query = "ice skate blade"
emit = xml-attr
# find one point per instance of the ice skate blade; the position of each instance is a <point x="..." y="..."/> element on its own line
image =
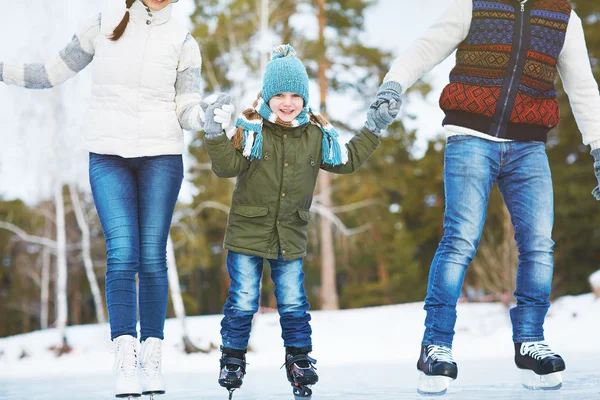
<point x="128" y="396"/>
<point x="532" y="381"/>
<point x="153" y="393"/>
<point x="302" y="392"/>
<point x="231" y="390"/>
<point x="432" y="385"/>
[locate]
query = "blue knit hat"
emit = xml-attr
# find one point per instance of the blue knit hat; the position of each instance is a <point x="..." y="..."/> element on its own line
<point x="285" y="73"/>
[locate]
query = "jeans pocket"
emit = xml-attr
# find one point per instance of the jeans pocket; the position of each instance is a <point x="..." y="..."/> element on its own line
<point x="459" y="138"/>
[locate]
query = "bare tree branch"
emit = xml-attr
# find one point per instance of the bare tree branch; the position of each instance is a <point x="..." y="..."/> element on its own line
<point x="27" y="237"/>
<point x="328" y="214"/>
<point x="354" y="206"/>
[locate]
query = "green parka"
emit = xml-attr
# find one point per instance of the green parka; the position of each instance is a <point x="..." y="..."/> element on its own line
<point x="272" y="196"/>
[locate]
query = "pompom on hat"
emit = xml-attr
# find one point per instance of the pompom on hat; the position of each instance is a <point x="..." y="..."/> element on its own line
<point x="285" y="73"/>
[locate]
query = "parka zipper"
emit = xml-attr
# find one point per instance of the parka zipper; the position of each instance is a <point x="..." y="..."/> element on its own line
<point x="259" y="162"/>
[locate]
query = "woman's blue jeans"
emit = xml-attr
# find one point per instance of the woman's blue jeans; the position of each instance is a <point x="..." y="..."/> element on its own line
<point x="471" y="167"/>
<point x="135" y="199"/>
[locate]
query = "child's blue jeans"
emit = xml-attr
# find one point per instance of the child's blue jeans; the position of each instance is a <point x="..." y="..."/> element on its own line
<point x="245" y="273"/>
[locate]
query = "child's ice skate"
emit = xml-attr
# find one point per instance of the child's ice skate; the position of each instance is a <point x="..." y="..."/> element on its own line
<point x="233" y="369"/>
<point x="301" y="372"/>
<point x="150" y="365"/>
<point x="541" y="367"/>
<point x="437" y="369"/>
<point x="126" y="367"/>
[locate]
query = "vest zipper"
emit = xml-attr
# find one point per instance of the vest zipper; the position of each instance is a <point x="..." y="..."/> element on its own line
<point x="139" y="82"/>
<point x="513" y="75"/>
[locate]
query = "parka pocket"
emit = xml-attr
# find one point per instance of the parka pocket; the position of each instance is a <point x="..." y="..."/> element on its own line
<point x="251" y="211"/>
<point x="304" y="214"/>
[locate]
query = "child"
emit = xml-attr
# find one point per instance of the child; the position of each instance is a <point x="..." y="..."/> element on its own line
<point x="277" y="151"/>
<point x="500" y="105"/>
<point x="146" y="88"/>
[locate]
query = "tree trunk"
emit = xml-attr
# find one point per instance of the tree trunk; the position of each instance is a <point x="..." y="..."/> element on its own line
<point x="329" y="297"/>
<point x="264" y="32"/>
<point x="45" y="282"/>
<point x="87" y="254"/>
<point x="61" y="263"/>
<point x="382" y="266"/>
<point x="177" y="299"/>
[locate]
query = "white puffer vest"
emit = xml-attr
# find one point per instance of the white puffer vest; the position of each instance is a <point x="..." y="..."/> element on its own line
<point x="132" y="108"/>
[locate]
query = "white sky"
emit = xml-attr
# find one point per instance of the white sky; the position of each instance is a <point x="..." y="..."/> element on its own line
<point x="33" y="29"/>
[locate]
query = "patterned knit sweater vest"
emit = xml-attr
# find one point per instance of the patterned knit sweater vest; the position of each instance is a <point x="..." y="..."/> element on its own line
<point x="503" y="82"/>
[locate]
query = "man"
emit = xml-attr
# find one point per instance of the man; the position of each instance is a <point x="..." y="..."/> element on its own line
<point x="500" y="105"/>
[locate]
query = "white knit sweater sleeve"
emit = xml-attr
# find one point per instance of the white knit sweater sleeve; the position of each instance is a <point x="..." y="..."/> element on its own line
<point x="578" y="81"/>
<point x="440" y="40"/>
<point x="70" y="60"/>
<point x="187" y="86"/>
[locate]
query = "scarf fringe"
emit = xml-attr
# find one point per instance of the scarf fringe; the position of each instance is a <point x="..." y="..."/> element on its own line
<point x="249" y="137"/>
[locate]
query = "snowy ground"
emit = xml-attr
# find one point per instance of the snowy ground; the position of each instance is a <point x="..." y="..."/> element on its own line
<point x="363" y="354"/>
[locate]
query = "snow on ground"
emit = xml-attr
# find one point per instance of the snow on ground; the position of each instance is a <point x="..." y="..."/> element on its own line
<point x="362" y="354"/>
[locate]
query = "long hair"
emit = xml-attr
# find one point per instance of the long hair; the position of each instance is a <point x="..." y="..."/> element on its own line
<point x="120" y="29"/>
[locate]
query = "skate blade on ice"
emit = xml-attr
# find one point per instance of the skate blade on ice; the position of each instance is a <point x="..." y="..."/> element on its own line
<point x="302" y="392"/>
<point x="433" y="385"/>
<point x="532" y="381"/>
<point x="154" y="395"/>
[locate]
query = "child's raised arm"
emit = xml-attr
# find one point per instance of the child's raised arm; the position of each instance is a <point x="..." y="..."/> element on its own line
<point x="380" y="115"/>
<point x="359" y="149"/>
<point x="227" y="162"/>
<point x="70" y="60"/>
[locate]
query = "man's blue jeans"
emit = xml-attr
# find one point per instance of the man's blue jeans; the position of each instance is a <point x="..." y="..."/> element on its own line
<point x="135" y="199"/>
<point x="245" y="273"/>
<point x="471" y="166"/>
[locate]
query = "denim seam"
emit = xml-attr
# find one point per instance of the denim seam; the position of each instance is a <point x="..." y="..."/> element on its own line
<point x="435" y="275"/>
<point x="526" y="339"/>
<point x="435" y="279"/>
<point x="519" y="276"/>
<point x="439" y="343"/>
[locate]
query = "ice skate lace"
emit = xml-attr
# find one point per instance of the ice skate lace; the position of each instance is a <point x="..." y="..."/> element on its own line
<point x="151" y="357"/>
<point x="440" y="353"/>
<point x="126" y="357"/>
<point x="537" y="350"/>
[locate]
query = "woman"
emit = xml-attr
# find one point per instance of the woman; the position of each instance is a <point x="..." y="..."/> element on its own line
<point x="146" y="88"/>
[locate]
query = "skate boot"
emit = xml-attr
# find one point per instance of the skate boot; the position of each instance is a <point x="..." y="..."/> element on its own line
<point x="150" y="363"/>
<point x="437" y="369"/>
<point x="301" y="372"/>
<point x="233" y="369"/>
<point x="541" y="367"/>
<point x="126" y="367"/>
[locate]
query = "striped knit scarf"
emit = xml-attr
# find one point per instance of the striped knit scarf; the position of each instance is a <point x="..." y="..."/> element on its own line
<point x="249" y="125"/>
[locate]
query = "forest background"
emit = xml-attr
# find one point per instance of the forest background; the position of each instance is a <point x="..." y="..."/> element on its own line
<point x="372" y="234"/>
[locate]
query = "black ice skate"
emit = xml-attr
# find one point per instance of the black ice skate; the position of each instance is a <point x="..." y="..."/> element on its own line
<point x="233" y="369"/>
<point x="437" y="369"/>
<point x="301" y="372"/>
<point x="541" y="367"/>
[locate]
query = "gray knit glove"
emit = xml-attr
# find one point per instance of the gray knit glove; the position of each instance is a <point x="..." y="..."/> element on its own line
<point x="596" y="154"/>
<point x="384" y="108"/>
<point x="217" y="116"/>
<point x="1" y="72"/>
